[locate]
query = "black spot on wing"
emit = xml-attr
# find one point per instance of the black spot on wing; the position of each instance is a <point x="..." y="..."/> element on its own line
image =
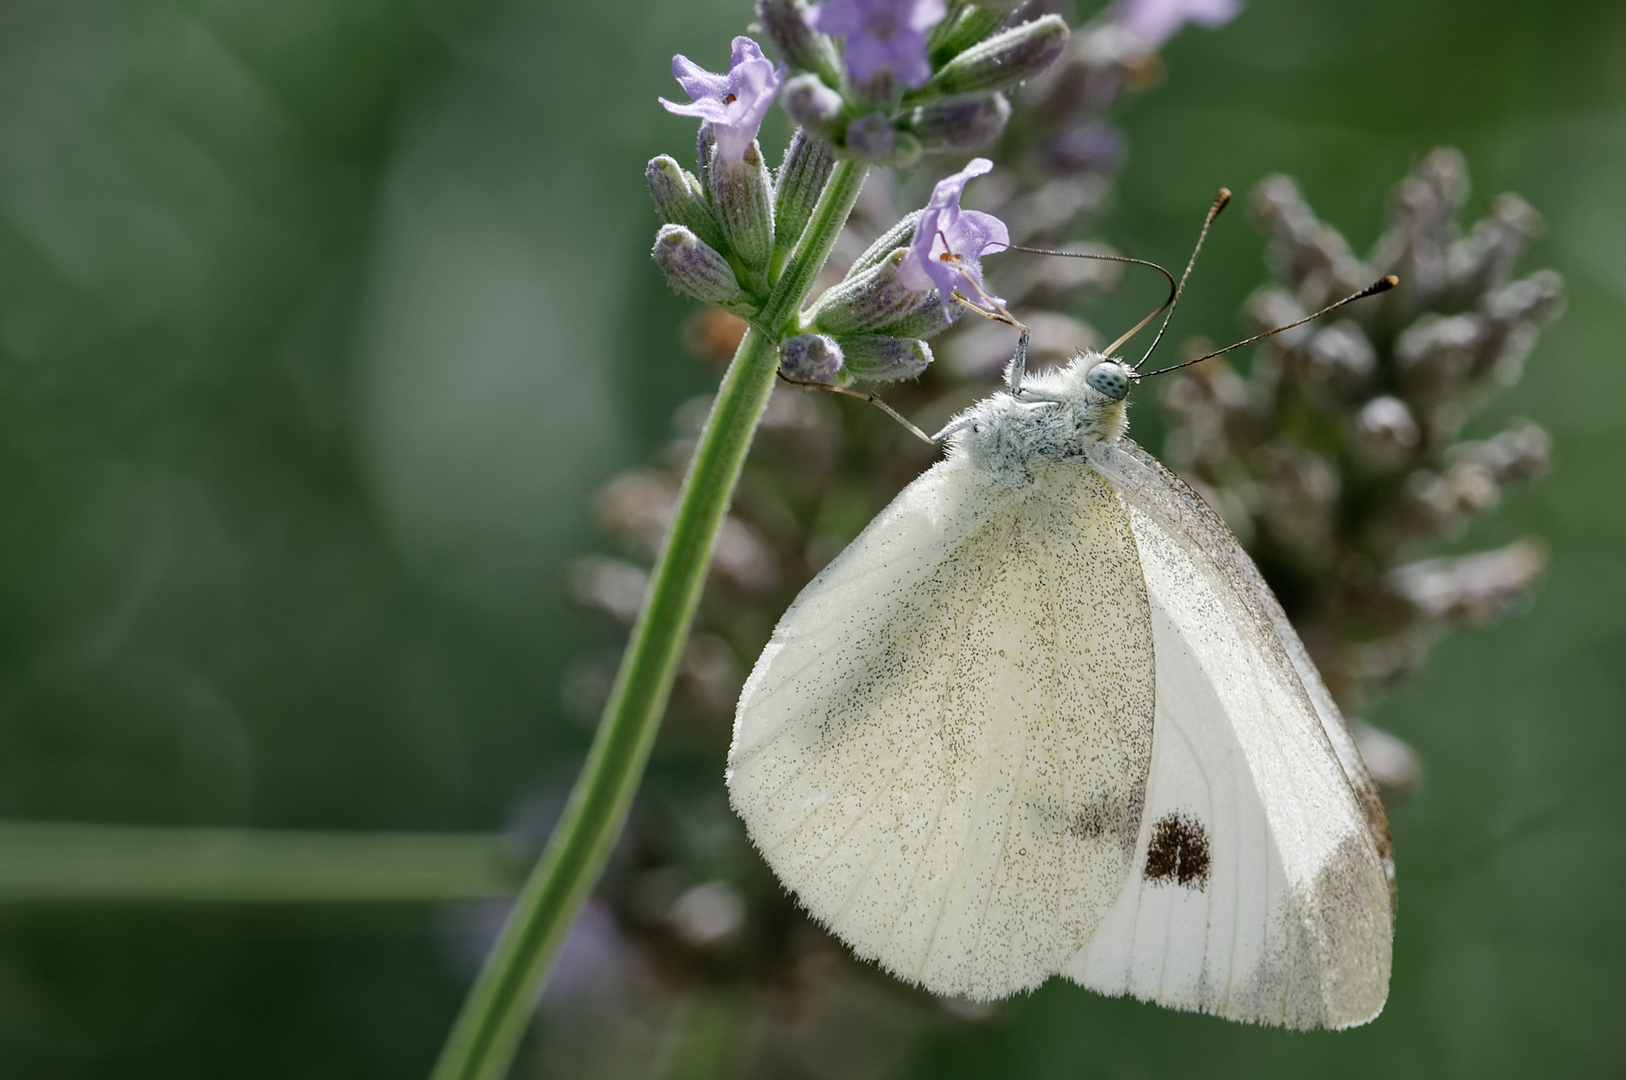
<point x="1178" y="853"/>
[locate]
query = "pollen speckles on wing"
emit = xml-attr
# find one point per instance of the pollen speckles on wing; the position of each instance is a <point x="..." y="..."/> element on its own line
<point x="972" y="677"/>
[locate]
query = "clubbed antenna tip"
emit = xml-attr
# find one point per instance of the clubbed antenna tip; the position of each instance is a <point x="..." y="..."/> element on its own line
<point x="1382" y="285"/>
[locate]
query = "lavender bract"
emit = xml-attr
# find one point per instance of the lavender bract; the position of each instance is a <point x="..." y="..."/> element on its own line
<point x="812" y="104"/>
<point x="884" y="358"/>
<point x="881" y="35"/>
<point x="692" y="265"/>
<point x="949" y="242"/>
<point x="868" y="299"/>
<point x="734" y="103"/>
<point x="967" y="122"/>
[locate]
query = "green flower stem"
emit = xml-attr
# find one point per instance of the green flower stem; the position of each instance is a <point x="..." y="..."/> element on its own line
<point x="835" y="203"/>
<point x="487" y="1032"/>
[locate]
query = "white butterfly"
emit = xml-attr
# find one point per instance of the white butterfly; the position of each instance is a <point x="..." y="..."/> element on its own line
<point x="1045" y="717"/>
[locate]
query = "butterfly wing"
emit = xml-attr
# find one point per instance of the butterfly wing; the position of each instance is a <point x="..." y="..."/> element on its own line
<point x="943" y="749"/>
<point x="1263" y="883"/>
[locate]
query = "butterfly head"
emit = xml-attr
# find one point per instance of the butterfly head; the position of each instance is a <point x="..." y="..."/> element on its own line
<point x="1110" y="379"/>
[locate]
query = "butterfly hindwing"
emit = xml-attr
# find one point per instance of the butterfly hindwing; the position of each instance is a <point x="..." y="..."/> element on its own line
<point x="944" y="748"/>
<point x="1262" y="883"/>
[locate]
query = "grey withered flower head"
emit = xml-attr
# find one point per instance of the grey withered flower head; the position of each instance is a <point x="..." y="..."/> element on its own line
<point x="1338" y="458"/>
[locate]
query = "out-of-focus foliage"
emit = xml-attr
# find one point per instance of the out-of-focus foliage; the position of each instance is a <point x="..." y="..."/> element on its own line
<point x="225" y="598"/>
<point x="321" y="322"/>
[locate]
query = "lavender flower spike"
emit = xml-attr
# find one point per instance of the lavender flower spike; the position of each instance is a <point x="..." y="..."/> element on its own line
<point x="1156" y="21"/>
<point x="949" y="242"/>
<point x="734" y="103"/>
<point x="881" y="34"/>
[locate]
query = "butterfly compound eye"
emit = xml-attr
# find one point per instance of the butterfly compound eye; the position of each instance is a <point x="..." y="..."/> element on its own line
<point x="1109" y="378"/>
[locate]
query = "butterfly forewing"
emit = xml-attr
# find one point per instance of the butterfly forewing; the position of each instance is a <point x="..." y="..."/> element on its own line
<point x="1262" y="890"/>
<point x="944" y="749"/>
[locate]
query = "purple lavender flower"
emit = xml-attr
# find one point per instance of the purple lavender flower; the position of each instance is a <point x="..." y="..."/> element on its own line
<point x="1156" y="21"/>
<point x="734" y="104"/>
<point x="881" y="34"/>
<point x="949" y="242"/>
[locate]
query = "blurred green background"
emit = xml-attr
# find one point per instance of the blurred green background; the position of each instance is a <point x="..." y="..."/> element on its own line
<point x="321" y="320"/>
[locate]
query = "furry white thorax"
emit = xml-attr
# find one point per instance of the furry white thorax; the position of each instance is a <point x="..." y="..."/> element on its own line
<point x="1055" y="415"/>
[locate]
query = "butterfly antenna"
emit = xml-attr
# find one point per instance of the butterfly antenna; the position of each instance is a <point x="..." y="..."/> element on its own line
<point x="1220" y="201"/>
<point x="1382" y="285"/>
<point x="871" y="398"/>
<point x="1105" y="258"/>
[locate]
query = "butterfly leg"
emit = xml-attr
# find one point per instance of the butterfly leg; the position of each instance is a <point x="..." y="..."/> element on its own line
<point x="957" y="425"/>
<point x="1017" y="369"/>
<point x="871" y="398"/>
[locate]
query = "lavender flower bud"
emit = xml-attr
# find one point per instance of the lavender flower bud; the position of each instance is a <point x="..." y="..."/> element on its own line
<point x="1005" y="59"/>
<point x="1394" y="765"/>
<point x="808" y="163"/>
<point x="879" y="358"/>
<point x="925" y="320"/>
<point x="1523" y="451"/>
<point x="1475" y="589"/>
<point x="705" y="146"/>
<point x="873" y="138"/>
<point x="1311" y="257"/>
<point x="812" y="358"/>
<point x="976" y="22"/>
<point x="812" y="104"/>
<point x="693" y="266"/>
<point x="1481" y="261"/>
<point x="1091" y="146"/>
<point x="742" y="195"/>
<point x="1386" y="434"/>
<point x="895" y="237"/>
<point x="1533" y="299"/>
<point x="958" y="123"/>
<point x="1340" y="361"/>
<point x="1299" y="501"/>
<point x="680" y="201"/>
<point x="801" y="46"/>
<point x="866" y="300"/>
<point x="1437" y="354"/>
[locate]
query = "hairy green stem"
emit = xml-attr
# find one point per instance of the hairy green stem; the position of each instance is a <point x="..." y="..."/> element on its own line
<point x="488" y="1030"/>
